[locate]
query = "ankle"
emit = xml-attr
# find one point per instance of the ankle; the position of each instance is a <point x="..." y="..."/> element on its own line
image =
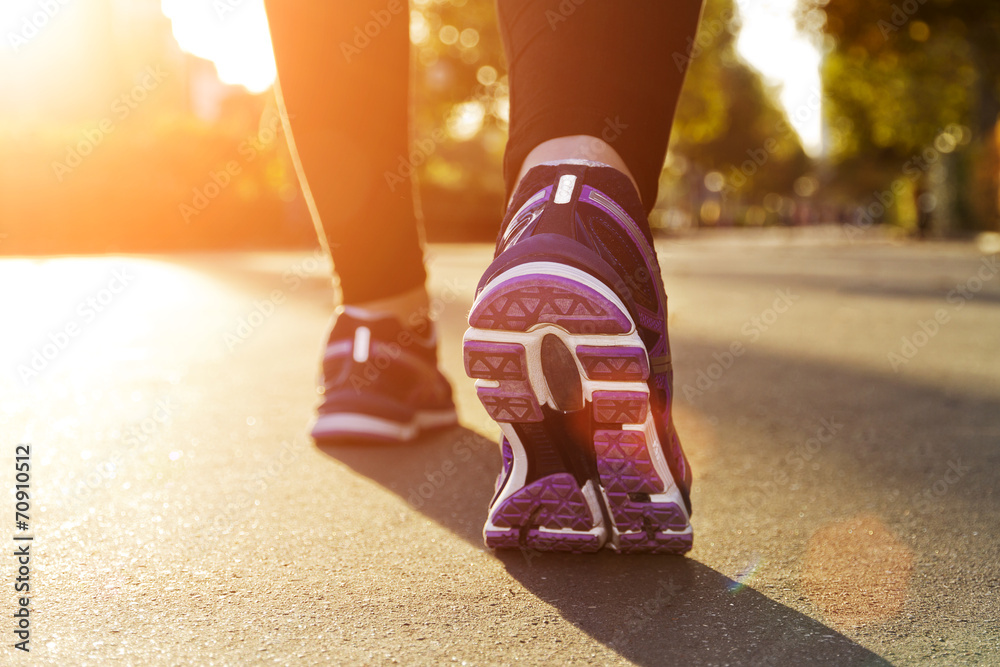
<point x="574" y="147"/>
<point x="409" y="308"/>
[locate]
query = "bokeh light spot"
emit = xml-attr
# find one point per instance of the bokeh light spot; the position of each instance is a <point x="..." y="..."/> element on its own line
<point x="856" y="571"/>
<point x="448" y="34"/>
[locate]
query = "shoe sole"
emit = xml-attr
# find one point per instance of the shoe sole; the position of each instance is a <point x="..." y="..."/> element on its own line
<point x="342" y="426"/>
<point x="559" y="365"/>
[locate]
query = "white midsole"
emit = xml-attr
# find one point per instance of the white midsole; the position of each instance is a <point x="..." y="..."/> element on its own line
<point x="361" y="424"/>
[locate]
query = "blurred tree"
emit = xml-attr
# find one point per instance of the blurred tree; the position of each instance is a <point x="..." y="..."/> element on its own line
<point x="461" y="110"/>
<point x="726" y="117"/>
<point x="728" y="121"/>
<point x="911" y="85"/>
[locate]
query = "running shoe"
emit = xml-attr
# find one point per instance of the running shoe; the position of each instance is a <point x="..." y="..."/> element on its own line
<point x="568" y="346"/>
<point x="381" y="382"/>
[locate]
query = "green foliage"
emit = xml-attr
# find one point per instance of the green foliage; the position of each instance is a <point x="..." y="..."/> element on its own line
<point x="725" y="111"/>
<point x="460" y="79"/>
<point x="726" y="115"/>
<point x="896" y="96"/>
<point x="898" y="74"/>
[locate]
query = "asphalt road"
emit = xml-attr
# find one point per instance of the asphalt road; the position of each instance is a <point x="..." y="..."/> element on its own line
<point x="840" y="403"/>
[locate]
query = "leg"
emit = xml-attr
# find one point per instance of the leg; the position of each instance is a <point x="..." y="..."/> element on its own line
<point x="346" y="112"/>
<point x="605" y="73"/>
<point x="567" y="337"/>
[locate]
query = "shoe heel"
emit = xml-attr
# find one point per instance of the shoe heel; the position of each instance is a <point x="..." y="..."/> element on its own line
<point x="511" y="399"/>
<point x="550" y="514"/>
<point x="542" y="346"/>
<point x="631" y="482"/>
<point x="524" y="301"/>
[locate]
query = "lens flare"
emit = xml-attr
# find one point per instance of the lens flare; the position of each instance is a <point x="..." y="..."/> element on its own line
<point x="743" y="577"/>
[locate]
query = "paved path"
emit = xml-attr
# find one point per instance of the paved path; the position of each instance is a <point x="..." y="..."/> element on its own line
<point x="846" y="504"/>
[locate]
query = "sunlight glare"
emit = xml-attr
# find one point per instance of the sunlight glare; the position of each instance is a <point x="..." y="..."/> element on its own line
<point x="773" y="44"/>
<point x="231" y="33"/>
<point x="466" y="120"/>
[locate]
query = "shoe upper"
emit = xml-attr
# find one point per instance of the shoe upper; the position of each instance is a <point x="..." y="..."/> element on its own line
<point x="589" y="216"/>
<point x="375" y="366"/>
<point x="602" y="224"/>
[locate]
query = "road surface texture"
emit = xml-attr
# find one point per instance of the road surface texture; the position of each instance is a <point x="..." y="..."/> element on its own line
<point x="839" y="401"/>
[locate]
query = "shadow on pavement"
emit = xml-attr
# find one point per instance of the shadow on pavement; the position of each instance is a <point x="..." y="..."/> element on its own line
<point x="655" y="610"/>
<point x="448" y="476"/>
<point x="647" y="608"/>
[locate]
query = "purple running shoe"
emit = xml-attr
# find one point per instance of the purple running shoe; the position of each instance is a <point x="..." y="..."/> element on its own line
<point x="568" y="346"/>
<point x="381" y="382"/>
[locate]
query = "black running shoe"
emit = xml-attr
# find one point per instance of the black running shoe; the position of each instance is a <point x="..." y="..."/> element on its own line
<point x="381" y="382"/>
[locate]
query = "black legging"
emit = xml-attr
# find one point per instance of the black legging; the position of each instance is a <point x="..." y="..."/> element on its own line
<point x="593" y="67"/>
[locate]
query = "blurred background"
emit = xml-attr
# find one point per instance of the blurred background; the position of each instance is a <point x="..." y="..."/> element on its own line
<point x="149" y="125"/>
